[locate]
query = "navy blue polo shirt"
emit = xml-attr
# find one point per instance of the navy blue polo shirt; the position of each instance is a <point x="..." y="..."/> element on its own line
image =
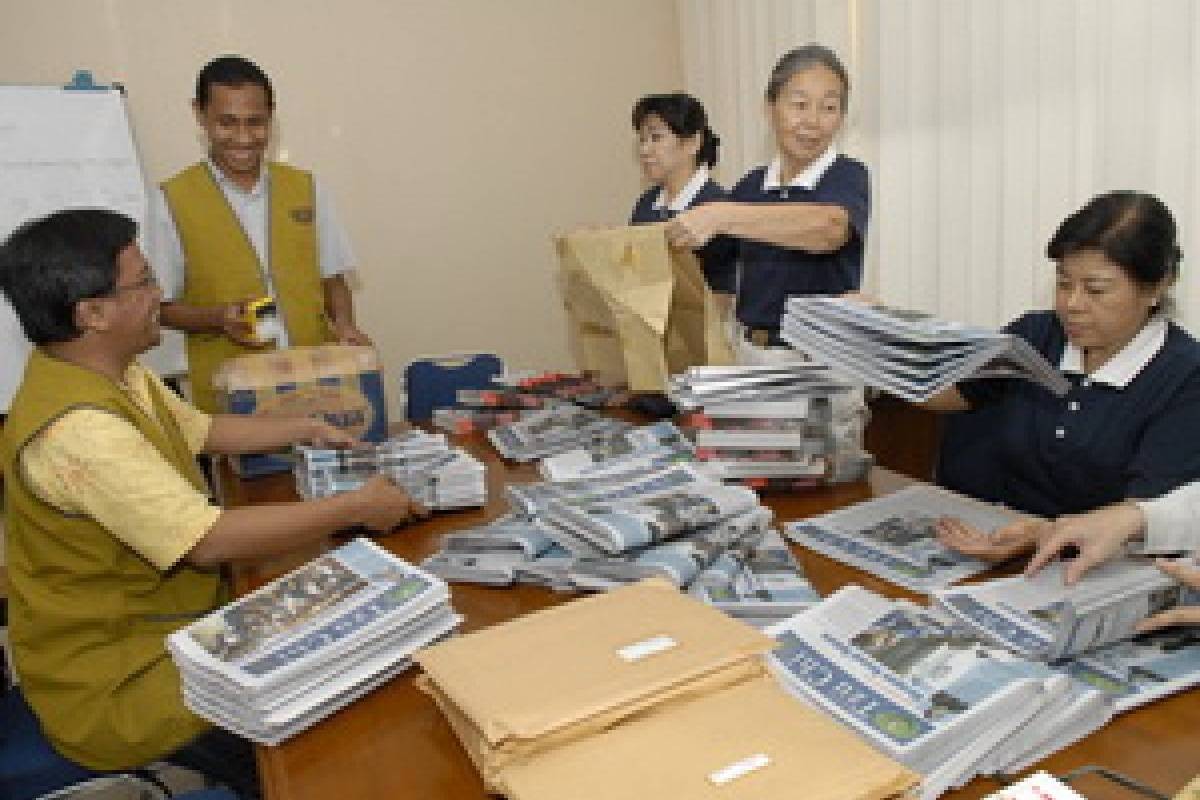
<point x="716" y="257"/>
<point x="771" y="273"/>
<point x="1022" y="446"/>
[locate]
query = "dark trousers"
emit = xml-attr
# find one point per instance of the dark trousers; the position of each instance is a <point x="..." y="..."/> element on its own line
<point x="224" y="758"/>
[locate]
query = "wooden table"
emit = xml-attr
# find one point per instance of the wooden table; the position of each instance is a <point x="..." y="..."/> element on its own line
<point x="394" y="743"/>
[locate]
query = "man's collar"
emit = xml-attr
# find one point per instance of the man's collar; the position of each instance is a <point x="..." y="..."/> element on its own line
<point x="1130" y="360"/>
<point x="687" y="194"/>
<point x="227" y="184"/>
<point x="808" y="178"/>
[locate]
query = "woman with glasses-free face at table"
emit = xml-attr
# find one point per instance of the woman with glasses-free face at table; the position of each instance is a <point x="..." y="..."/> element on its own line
<point x="1124" y="430"/>
<point x="800" y="221"/>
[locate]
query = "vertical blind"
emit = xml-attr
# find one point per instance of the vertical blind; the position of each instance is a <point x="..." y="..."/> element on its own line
<point x="984" y="123"/>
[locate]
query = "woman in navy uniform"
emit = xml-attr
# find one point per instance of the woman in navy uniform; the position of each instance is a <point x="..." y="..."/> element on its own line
<point x="676" y="149"/>
<point x="801" y="221"/>
<point x="1126" y="428"/>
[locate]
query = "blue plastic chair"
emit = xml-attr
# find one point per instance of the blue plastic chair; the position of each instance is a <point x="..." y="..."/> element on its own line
<point x="29" y="766"/>
<point x="432" y="382"/>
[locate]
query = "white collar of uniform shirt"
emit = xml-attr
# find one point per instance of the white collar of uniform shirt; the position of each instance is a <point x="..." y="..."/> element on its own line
<point x="228" y="185"/>
<point x="686" y="195"/>
<point x="808" y="177"/>
<point x="1131" y="359"/>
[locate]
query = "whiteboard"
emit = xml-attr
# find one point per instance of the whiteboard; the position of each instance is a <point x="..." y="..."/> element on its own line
<point x="59" y="149"/>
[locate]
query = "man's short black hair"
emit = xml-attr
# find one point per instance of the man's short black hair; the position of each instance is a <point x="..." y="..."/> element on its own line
<point x="48" y="265"/>
<point x="231" y="71"/>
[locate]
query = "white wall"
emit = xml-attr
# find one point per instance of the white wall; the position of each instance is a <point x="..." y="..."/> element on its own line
<point x="984" y="122"/>
<point x="457" y="136"/>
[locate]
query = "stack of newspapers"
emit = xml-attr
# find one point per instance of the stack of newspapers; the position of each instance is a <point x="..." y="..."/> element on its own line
<point x="641" y="692"/>
<point x="276" y="661"/>
<point x="784" y="427"/>
<point x="923" y="689"/>
<point x="908" y="353"/>
<point x="478" y="410"/>
<point x="553" y="430"/>
<point x="434" y="473"/>
<point x="1086" y="633"/>
<point x="893" y="536"/>
<point x="672" y="521"/>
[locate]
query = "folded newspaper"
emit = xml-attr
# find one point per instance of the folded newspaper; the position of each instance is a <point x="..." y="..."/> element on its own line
<point x="893" y="536"/>
<point x="435" y="474"/>
<point x="1040" y="617"/>
<point x="661" y="442"/>
<point x="549" y="431"/>
<point x="274" y="662"/>
<point x="908" y="353"/>
<point x="923" y="689"/>
<point x="699" y="387"/>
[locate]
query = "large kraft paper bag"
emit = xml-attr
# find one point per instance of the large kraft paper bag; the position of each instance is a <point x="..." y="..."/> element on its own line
<point x="638" y="310"/>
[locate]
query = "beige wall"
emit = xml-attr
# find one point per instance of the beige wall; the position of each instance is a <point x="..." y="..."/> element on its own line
<point x="456" y="135"/>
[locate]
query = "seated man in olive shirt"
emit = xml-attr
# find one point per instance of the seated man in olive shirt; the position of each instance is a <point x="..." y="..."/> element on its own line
<point x="112" y="541"/>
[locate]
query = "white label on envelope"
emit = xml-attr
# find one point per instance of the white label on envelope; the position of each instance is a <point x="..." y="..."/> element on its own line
<point x="739" y="768"/>
<point x="647" y="647"/>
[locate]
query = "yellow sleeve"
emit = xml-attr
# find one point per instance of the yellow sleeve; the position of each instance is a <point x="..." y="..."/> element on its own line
<point x="94" y="463"/>
<point x="193" y="423"/>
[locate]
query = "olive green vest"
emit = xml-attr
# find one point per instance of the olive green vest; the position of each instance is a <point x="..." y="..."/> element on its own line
<point x="222" y="267"/>
<point x="87" y="614"/>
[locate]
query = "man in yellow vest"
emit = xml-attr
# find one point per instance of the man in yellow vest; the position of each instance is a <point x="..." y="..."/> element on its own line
<point x="234" y="227"/>
<point x="112" y="541"/>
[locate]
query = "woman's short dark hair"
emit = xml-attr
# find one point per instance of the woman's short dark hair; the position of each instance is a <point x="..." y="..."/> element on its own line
<point x="49" y="264"/>
<point x="1134" y="230"/>
<point x="685" y="116"/>
<point x="231" y="71"/>
<point x="802" y="58"/>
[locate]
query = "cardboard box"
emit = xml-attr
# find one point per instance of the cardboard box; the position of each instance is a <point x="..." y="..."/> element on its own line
<point x="341" y="383"/>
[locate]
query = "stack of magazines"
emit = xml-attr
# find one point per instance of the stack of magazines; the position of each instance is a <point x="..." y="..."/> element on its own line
<point x="893" y="536"/>
<point x="276" y="661"/>
<point x="922" y="688"/>
<point x="785" y="427"/>
<point x="908" y="353"/>
<point x="436" y="475"/>
<point x="553" y="430"/>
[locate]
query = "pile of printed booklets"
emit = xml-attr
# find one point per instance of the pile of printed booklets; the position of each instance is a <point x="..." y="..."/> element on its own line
<point x="633" y="506"/>
<point x="276" y="661"/>
<point x="434" y="473"/>
<point x="991" y="677"/>
<point x="478" y="410"/>
<point x="908" y="353"/>
<point x="775" y="427"/>
<point x="638" y="693"/>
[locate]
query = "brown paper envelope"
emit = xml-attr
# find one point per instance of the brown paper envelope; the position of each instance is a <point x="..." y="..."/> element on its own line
<point x="492" y="761"/>
<point x="785" y="749"/>
<point x="545" y="671"/>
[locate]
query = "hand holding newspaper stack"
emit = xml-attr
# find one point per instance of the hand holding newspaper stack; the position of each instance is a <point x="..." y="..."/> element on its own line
<point x="276" y="661"/>
<point x="908" y="353"/>
<point x="434" y="474"/>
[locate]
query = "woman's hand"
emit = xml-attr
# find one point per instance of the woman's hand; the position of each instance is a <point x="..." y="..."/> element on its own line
<point x="1099" y="535"/>
<point x="695" y="227"/>
<point x="1004" y="543"/>
<point x="1189" y="576"/>
<point x="319" y="433"/>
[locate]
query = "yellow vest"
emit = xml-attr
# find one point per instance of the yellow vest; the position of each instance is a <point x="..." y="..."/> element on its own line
<point x="222" y="267"/>
<point x="87" y="615"/>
